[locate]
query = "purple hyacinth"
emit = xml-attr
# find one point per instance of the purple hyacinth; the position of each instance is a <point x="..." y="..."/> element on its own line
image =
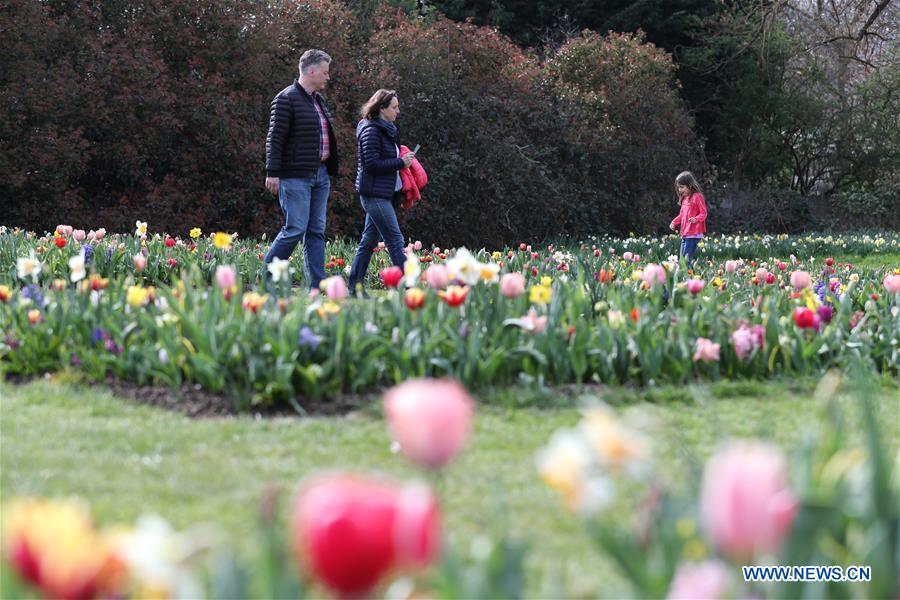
<point x="88" y="254"/>
<point x="307" y="339"/>
<point x="33" y="292"/>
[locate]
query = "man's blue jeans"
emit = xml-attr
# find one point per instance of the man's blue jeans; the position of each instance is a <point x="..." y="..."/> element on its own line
<point x="304" y="200"/>
<point x="381" y="223"/>
<point x="688" y="249"/>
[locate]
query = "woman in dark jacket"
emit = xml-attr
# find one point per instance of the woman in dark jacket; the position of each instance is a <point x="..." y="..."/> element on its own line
<point x="377" y="180"/>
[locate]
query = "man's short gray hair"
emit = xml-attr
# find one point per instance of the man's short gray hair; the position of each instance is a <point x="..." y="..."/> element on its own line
<point x="312" y="58"/>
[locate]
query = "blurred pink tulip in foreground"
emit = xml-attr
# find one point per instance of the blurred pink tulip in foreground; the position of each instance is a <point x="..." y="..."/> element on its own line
<point x="745" y="504"/>
<point x="430" y="419"/>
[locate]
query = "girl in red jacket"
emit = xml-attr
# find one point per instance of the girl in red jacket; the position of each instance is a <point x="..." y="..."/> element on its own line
<point x="691" y="218"/>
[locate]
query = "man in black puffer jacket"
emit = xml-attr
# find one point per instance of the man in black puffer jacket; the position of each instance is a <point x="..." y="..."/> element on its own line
<point x="301" y="153"/>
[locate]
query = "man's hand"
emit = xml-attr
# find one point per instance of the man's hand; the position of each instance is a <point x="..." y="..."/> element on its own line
<point x="272" y="184"/>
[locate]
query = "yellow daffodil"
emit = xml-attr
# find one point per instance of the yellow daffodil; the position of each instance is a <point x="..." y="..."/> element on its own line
<point x="540" y="294"/>
<point x="327" y="309"/>
<point x="196" y="233"/>
<point x="136" y="296"/>
<point x="222" y="240"/>
<point x="614" y="446"/>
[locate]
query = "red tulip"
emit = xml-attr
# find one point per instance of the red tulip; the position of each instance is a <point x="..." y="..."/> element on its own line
<point x="391" y="276"/>
<point x="415" y="298"/>
<point x="770" y="278"/>
<point x="806" y="318"/>
<point x="350" y="532"/>
<point x="430" y="419"/>
<point x="454" y="295"/>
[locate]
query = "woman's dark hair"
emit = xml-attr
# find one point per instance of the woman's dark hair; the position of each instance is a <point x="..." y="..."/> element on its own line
<point x="379" y="100"/>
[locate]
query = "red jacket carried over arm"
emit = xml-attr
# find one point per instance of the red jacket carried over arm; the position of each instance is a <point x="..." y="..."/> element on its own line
<point x="414" y="178"/>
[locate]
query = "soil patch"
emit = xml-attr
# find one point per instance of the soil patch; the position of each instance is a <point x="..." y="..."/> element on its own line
<point x="194" y="401"/>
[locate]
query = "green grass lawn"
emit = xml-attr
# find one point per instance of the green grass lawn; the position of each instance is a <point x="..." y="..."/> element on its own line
<point x="63" y="439"/>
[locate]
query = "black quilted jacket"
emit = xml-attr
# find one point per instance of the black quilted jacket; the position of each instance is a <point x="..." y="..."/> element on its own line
<point x="292" y="146"/>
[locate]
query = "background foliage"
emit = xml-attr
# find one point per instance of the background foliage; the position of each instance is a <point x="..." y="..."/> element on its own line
<point x="113" y="111"/>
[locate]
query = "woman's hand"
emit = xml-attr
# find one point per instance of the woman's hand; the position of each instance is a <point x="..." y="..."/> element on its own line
<point x="407" y="159"/>
<point x="692" y="220"/>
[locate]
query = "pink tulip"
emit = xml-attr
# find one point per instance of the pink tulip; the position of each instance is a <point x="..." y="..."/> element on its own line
<point x="695" y="286"/>
<point x="430" y="419"/>
<point x="637" y="258"/>
<point x="706" y="350"/>
<point x="78" y="235"/>
<point x="892" y="284"/>
<point x="512" y="284"/>
<point x="654" y="274"/>
<point x="437" y="276"/>
<point x="731" y="266"/>
<point x="627" y="256"/>
<point x="417" y="246"/>
<point x="745" y="504"/>
<point x="534" y="323"/>
<point x="742" y="338"/>
<point x="140" y="262"/>
<point x="350" y="532"/>
<point x="65" y="230"/>
<point x="100" y="234"/>
<point x="701" y="581"/>
<point x="225" y="277"/>
<point x="761" y="274"/>
<point x="800" y="280"/>
<point x="335" y="287"/>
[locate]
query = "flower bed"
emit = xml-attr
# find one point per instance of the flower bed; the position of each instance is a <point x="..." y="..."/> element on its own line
<point x="159" y="309"/>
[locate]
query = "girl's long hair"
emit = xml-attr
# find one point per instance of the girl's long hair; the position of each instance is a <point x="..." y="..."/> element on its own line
<point x="687" y="178"/>
<point x="381" y="99"/>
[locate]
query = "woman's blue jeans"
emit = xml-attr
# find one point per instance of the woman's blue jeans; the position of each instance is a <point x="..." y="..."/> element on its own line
<point x="381" y="223"/>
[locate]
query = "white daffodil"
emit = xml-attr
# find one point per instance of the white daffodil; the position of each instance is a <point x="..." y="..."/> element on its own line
<point x="464" y="267"/>
<point x="140" y="228"/>
<point x="615" y="447"/>
<point x="161" y="560"/>
<point x="489" y="272"/>
<point x="76" y="267"/>
<point x="280" y="269"/>
<point x="411" y="270"/>
<point x="29" y="267"/>
<point x="565" y="465"/>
